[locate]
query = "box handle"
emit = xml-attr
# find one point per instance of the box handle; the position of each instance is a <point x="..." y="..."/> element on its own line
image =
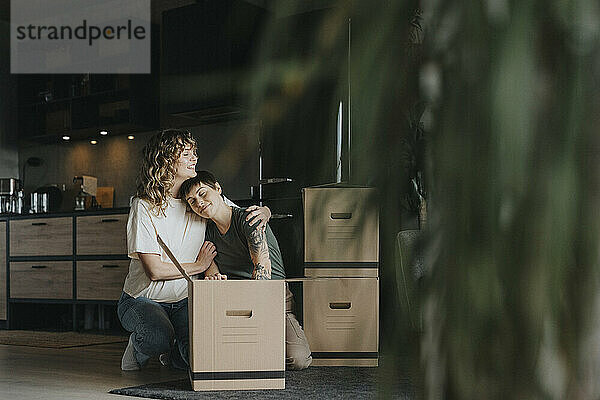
<point x="39" y="266"/>
<point x="110" y="266"/>
<point x="239" y="313"/>
<point x="341" y="215"/>
<point x="340" y="305"/>
<point x="110" y="220"/>
<point x="38" y="223"/>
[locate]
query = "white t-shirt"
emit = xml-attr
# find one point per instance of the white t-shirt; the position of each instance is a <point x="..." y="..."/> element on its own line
<point x="182" y="231"/>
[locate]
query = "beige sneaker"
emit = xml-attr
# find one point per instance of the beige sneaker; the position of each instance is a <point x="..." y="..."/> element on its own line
<point x="128" y="362"/>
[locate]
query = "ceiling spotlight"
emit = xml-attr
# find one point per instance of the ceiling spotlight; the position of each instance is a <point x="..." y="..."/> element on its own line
<point x="104" y="133"/>
<point x="130" y="137"/>
<point x="66" y="137"/>
<point x="93" y="141"/>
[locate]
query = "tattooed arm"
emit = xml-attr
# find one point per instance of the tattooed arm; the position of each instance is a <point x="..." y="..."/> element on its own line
<point x="259" y="253"/>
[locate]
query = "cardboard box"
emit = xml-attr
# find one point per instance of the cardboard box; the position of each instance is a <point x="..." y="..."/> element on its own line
<point x="341" y="321"/>
<point x="341" y="225"/>
<point x="334" y="270"/>
<point x="237" y="334"/>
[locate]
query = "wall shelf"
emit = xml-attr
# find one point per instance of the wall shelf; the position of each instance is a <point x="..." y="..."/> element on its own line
<point x="128" y="105"/>
<point x="80" y="105"/>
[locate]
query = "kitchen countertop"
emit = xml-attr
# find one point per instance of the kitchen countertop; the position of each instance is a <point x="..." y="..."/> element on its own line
<point x="100" y="211"/>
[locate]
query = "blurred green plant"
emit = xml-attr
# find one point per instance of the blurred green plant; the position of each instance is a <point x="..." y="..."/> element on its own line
<point x="412" y="153"/>
<point x="511" y="304"/>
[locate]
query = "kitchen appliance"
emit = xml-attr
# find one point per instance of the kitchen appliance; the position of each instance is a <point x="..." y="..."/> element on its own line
<point x="38" y="203"/>
<point x="18" y="206"/>
<point x="5" y="206"/>
<point x="9" y="186"/>
<point x="86" y="197"/>
<point x="11" y="196"/>
<point x="55" y="196"/>
<point x="79" y="203"/>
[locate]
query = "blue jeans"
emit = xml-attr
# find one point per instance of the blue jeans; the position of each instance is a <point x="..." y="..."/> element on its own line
<point x="157" y="328"/>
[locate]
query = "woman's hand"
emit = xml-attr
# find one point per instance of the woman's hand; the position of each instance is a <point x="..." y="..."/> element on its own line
<point x="216" y="277"/>
<point x="260" y="215"/>
<point x="207" y="253"/>
<point x="213" y="273"/>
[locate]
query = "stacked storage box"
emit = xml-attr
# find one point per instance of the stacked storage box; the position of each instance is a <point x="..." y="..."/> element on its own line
<point x="341" y="301"/>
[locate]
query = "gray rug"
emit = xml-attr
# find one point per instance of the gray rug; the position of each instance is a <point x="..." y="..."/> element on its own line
<point x="312" y="383"/>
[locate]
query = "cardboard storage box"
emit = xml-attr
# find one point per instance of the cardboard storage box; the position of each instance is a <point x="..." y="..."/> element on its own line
<point x="341" y="230"/>
<point x="341" y="270"/>
<point x="237" y="334"/>
<point x="341" y="320"/>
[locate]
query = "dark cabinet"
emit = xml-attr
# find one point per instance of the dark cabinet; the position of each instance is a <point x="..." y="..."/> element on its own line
<point x="299" y="141"/>
<point x="51" y="106"/>
<point x="207" y="52"/>
<point x="309" y="53"/>
<point x="80" y="105"/>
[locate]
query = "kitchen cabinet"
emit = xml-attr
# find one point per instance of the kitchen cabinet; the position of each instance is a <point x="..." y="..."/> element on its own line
<point x="299" y="141"/>
<point x="3" y="305"/>
<point x="102" y="234"/>
<point x="71" y="258"/>
<point x="101" y="279"/>
<point x="79" y="106"/>
<point x="41" y="237"/>
<point x="207" y="54"/>
<point x="41" y="280"/>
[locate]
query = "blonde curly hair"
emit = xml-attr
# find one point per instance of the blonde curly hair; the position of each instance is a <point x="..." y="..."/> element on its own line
<point x="157" y="172"/>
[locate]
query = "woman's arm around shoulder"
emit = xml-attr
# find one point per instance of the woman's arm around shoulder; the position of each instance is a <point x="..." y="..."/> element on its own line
<point x="258" y="215"/>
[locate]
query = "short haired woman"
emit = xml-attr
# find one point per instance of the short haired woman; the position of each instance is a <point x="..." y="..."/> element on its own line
<point x="244" y="252"/>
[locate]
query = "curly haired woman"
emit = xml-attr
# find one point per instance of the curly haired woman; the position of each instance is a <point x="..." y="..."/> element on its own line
<point x="153" y="305"/>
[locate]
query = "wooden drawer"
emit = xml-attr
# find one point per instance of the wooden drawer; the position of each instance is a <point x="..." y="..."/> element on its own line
<point x="41" y="237"/>
<point x="41" y="280"/>
<point x="102" y="234"/>
<point x="2" y="270"/>
<point x="341" y="315"/>
<point x="101" y="280"/>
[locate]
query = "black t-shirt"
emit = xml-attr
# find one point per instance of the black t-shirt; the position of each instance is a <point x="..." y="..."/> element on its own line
<point x="233" y="256"/>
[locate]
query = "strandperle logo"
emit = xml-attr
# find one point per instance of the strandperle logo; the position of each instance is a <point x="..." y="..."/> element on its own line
<point x="83" y="32"/>
<point x="80" y="36"/>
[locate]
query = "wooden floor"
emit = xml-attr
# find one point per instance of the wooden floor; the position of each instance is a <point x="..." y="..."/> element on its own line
<point x="76" y="373"/>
